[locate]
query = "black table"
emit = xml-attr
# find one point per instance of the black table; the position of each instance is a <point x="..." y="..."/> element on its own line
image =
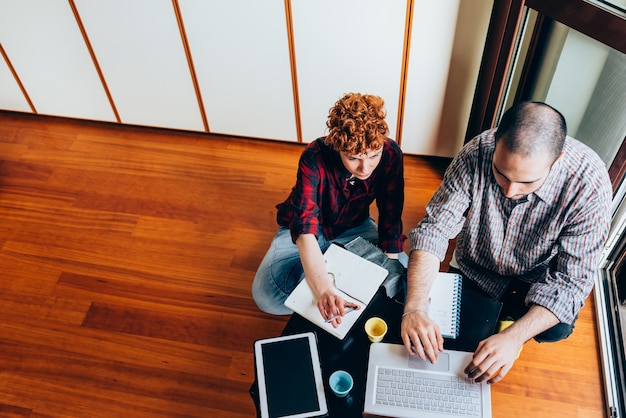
<point x="478" y="320"/>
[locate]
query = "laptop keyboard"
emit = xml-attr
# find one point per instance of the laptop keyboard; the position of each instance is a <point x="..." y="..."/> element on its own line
<point x="407" y="388"/>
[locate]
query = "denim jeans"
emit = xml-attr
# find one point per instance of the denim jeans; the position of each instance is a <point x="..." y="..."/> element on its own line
<point x="281" y="269"/>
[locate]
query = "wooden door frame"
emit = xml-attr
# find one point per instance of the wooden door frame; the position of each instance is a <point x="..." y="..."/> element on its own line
<point x="588" y="18"/>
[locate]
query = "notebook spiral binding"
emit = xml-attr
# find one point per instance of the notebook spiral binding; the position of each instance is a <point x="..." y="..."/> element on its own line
<point x="456" y="307"/>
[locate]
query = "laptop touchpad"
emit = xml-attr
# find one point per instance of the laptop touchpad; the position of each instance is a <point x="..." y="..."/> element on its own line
<point x="442" y="365"/>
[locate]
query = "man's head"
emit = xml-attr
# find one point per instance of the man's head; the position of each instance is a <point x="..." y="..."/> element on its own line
<point x="357" y="130"/>
<point x="529" y="140"/>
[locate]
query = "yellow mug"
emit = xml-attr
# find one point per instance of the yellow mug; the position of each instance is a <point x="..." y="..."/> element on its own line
<point x="376" y="328"/>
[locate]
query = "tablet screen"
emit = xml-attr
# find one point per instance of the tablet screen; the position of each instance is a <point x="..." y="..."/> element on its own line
<point x="291" y="387"/>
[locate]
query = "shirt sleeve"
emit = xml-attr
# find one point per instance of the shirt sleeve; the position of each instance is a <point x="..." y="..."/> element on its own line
<point x="445" y="212"/>
<point x="390" y="202"/>
<point x="305" y="207"/>
<point x="571" y="275"/>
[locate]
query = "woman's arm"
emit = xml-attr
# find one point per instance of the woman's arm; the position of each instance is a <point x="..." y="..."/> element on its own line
<point x="315" y="273"/>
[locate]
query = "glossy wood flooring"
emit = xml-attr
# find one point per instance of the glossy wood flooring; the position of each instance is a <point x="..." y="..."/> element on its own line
<point x="127" y="256"/>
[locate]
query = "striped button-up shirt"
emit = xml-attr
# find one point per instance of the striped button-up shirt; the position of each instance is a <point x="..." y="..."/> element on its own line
<point x="325" y="201"/>
<point x="552" y="239"/>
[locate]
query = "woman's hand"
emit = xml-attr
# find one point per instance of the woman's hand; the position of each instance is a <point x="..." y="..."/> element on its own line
<point x="332" y="305"/>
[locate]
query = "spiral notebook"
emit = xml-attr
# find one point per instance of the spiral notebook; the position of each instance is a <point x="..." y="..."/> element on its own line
<point x="444" y="306"/>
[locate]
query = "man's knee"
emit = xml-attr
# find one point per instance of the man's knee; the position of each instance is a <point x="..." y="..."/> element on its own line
<point x="557" y="333"/>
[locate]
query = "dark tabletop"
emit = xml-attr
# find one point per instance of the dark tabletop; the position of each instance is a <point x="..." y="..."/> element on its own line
<point x="478" y="319"/>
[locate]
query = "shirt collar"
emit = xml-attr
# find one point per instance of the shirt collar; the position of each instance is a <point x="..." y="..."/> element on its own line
<point x="547" y="192"/>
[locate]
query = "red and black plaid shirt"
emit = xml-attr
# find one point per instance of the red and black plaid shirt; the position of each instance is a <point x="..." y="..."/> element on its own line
<point x="323" y="200"/>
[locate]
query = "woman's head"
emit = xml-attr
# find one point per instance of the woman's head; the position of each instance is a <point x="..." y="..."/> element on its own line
<point x="356" y="124"/>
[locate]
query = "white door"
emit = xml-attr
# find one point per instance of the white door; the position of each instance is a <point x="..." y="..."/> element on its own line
<point x="241" y="55"/>
<point x="140" y="50"/>
<point x="42" y="40"/>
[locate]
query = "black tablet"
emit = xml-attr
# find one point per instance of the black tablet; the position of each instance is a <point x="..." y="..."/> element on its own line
<point x="289" y="377"/>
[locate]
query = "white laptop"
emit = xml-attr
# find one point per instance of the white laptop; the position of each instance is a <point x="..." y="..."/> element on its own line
<point x="399" y="385"/>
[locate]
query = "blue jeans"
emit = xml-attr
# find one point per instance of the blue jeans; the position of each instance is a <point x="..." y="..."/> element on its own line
<point x="281" y="269"/>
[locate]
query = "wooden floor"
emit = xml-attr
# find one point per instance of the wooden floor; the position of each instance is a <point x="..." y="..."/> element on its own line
<point x="127" y="256"/>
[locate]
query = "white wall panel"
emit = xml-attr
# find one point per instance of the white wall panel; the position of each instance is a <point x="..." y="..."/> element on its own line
<point x="240" y="51"/>
<point x="47" y="50"/>
<point x="241" y="55"/>
<point x="141" y="54"/>
<point x="347" y="46"/>
<point x="429" y="61"/>
<point x="11" y="97"/>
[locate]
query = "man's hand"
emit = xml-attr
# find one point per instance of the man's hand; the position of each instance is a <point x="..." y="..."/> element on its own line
<point x="421" y="336"/>
<point x="493" y="358"/>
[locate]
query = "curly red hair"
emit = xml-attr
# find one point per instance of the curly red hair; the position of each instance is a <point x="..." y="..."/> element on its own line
<point x="356" y="123"/>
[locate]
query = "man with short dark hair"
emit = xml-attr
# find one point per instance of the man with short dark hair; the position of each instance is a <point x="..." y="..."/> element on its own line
<point x="531" y="208"/>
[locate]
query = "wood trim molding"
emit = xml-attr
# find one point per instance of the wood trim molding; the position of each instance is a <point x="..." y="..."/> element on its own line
<point x="17" y="79"/>
<point x="499" y="44"/>
<point x="617" y="170"/>
<point x="294" y="71"/>
<point x="540" y="38"/>
<point x="581" y="15"/>
<point x="192" y="68"/>
<point x="408" y="30"/>
<point x="94" y="59"/>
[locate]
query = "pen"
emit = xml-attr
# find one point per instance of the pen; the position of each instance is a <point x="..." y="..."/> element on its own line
<point x="348" y="309"/>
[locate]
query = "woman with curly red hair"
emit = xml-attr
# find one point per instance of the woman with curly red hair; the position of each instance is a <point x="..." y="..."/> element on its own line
<point x="339" y="176"/>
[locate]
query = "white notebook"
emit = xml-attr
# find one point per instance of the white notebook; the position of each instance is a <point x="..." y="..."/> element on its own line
<point x="445" y="303"/>
<point x="356" y="280"/>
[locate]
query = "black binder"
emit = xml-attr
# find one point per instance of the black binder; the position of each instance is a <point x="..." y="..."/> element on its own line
<point x="479" y="317"/>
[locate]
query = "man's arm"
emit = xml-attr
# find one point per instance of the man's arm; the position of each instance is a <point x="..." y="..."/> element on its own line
<point x="444" y="219"/>
<point x="420" y="335"/>
<point x="495" y="355"/>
